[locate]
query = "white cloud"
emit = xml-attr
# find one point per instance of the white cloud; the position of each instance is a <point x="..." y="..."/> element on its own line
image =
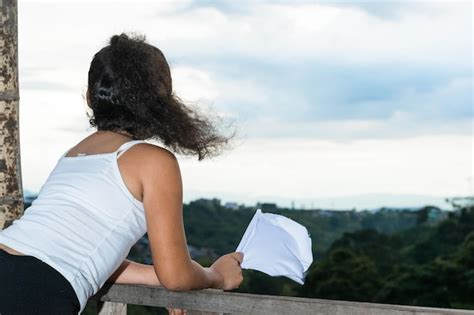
<point x="194" y="85"/>
<point x="439" y="32"/>
<point x="284" y="32"/>
<point x="311" y="169"/>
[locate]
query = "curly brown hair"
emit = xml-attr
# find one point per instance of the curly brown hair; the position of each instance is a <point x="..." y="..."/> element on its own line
<point x="130" y="89"/>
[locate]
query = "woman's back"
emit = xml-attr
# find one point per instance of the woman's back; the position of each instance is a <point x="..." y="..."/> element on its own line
<point x="83" y="222"/>
<point x="90" y="210"/>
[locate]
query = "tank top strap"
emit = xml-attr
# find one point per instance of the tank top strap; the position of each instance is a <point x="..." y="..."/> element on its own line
<point x="125" y="146"/>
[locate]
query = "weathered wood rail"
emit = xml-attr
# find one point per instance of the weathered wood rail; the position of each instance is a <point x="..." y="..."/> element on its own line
<point x="113" y="300"/>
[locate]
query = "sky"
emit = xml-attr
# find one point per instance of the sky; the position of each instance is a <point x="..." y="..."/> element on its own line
<point x="337" y="105"/>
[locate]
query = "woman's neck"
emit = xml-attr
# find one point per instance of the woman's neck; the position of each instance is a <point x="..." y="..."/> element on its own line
<point x="122" y="132"/>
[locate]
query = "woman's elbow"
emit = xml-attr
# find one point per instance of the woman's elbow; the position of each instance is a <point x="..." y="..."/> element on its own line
<point x="173" y="283"/>
<point x="177" y="287"/>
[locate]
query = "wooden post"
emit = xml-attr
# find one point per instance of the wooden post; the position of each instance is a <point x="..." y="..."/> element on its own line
<point x="11" y="192"/>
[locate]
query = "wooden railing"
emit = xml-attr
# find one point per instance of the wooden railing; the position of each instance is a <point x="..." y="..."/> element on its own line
<point x="113" y="300"/>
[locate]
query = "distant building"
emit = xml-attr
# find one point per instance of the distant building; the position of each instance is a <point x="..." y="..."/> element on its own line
<point x="231" y="205"/>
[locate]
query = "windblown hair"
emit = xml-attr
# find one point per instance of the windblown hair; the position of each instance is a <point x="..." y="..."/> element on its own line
<point x="130" y="89"/>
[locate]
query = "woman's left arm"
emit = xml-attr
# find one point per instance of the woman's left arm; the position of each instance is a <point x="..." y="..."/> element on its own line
<point x="131" y="272"/>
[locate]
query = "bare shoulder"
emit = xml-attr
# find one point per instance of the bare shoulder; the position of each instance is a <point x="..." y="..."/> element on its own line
<point x="151" y="150"/>
<point x="154" y="158"/>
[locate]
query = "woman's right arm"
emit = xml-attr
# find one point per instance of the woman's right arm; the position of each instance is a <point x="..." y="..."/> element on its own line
<point x="162" y="200"/>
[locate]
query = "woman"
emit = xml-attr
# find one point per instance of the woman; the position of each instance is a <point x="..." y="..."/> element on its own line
<point x="97" y="203"/>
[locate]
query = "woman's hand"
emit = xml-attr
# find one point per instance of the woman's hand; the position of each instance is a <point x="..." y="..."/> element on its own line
<point x="228" y="270"/>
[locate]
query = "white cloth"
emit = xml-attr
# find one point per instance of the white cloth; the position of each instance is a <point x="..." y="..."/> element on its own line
<point x="277" y="246"/>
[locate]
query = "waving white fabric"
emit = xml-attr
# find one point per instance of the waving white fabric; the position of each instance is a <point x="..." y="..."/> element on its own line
<point x="277" y="246"/>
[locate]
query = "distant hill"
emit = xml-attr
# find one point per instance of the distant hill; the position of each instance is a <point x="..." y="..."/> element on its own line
<point x="213" y="230"/>
<point x="425" y="265"/>
<point x="344" y="202"/>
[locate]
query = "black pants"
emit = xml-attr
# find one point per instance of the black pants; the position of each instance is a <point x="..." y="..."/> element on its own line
<point x="30" y="286"/>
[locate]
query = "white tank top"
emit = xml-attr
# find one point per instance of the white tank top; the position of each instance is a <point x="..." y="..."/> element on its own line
<point x="83" y="222"/>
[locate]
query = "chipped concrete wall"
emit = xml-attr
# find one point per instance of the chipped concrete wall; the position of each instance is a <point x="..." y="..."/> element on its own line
<point x="11" y="191"/>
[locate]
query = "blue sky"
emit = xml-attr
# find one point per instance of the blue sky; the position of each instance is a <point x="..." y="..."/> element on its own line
<point x="338" y="104"/>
